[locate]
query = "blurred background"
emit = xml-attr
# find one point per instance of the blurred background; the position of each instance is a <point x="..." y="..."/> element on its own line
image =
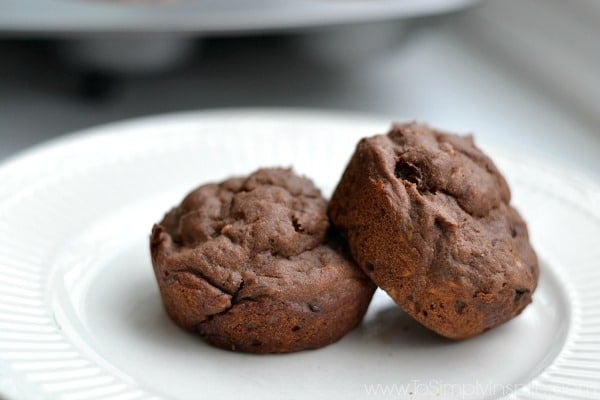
<point x="523" y="74"/>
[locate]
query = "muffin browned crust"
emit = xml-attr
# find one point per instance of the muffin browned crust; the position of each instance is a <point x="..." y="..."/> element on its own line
<point x="427" y="217"/>
<point x="250" y="264"/>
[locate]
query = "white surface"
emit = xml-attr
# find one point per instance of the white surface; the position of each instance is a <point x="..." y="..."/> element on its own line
<point x="52" y="17"/>
<point x="80" y="314"/>
<point x="515" y="72"/>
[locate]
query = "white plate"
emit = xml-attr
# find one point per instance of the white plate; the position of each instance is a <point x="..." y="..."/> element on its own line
<point x="50" y="17"/>
<point x="81" y="318"/>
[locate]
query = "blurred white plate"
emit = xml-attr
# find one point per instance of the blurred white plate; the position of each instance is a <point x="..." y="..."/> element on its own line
<point x="81" y="318"/>
<point x="203" y="16"/>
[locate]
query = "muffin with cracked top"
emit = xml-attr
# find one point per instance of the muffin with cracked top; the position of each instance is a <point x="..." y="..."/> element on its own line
<point x="428" y="218"/>
<point x="251" y="264"/>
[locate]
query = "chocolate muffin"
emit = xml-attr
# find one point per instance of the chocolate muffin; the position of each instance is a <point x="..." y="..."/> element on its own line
<point x="427" y="217"/>
<point x="251" y="264"/>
